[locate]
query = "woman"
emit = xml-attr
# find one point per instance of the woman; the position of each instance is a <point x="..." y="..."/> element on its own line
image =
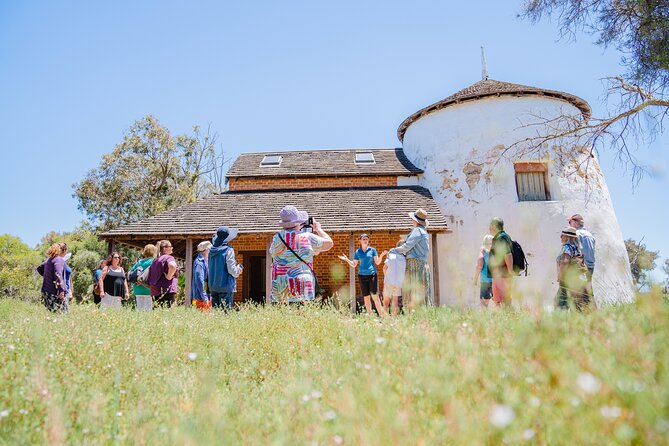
<point x="293" y="253"/>
<point x="482" y="274"/>
<point x="200" y="274"/>
<point x="112" y="282"/>
<point x="96" y="281"/>
<point x="416" y="248"/>
<point x="571" y="272"/>
<point x="141" y="290"/>
<point x="393" y="278"/>
<point x="367" y="257"/>
<point x="54" y="286"/>
<point x="164" y="275"/>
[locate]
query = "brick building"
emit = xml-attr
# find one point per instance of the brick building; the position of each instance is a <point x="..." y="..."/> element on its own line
<point x="348" y="191"/>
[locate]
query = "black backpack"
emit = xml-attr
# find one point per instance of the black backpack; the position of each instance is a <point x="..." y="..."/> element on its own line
<point x="519" y="261"/>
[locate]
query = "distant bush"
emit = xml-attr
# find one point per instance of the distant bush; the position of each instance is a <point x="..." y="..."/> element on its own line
<point x="18" y="261"/>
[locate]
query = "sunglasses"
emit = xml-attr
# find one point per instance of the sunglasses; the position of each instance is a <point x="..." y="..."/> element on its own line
<point x="116" y="257"/>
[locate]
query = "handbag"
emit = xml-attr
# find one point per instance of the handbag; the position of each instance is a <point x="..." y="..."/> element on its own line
<point x="318" y="291"/>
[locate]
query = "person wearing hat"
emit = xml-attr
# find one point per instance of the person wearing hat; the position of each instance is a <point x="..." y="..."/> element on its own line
<point x="223" y="269"/>
<point x="367" y="256"/>
<point x="200" y="274"/>
<point x="571" y="272"/>
<point x="293" y="251"/>
<point x="141" y="291"/>
<point x="416" y="288"/>
<point x="587" y="242"/>
<point x="164" y="275"/>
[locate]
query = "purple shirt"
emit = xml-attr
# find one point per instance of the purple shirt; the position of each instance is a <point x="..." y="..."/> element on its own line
<point x="53" y="272"/>
<point x="157" y="280"/>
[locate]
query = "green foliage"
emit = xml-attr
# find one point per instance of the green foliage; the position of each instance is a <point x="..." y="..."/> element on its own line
<point x="148" y="172"/>
<point x="642" y="261"/>
<point x="310" y="376"/>
<point x="18" y="261"/>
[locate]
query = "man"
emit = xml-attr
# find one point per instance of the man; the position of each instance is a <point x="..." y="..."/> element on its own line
<point x="500" y="262"/>
<point x="223" y="269"/>
<point x="201" y="299"/>
<point x="587" y="242"/>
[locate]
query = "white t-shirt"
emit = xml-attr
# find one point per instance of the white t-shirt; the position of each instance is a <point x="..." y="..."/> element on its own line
<point x="397" y="264"/>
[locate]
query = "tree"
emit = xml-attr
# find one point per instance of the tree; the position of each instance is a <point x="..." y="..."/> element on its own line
<point x="148" y="172"/>
<point x="642" y="261"/>
<point x="639" y="29"/>
<point x="665" y="268"/>
<point x="18" y="261"/>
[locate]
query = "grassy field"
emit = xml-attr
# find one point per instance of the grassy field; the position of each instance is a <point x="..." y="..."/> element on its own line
<point x="312" y="376"/>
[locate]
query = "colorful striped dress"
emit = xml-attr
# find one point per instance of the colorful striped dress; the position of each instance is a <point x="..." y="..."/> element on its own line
<point x="292" y="280"/>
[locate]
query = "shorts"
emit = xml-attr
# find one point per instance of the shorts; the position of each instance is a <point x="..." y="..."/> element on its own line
<point x="369" y="284"/>
<point x="391" y="290"/>
<point x="486" y="290"/>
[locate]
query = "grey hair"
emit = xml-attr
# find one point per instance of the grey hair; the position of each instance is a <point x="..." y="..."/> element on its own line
<point x="498" y="223"/>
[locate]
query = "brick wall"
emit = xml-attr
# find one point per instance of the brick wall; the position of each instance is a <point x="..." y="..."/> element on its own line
<point x="270" y="183"/>
<point x="333" y="274"/>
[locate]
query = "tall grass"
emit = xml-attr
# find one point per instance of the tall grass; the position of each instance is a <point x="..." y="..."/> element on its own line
<point x="315" y="376"/>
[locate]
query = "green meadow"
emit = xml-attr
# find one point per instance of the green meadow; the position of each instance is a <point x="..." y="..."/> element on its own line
<point x="319" y="376"/>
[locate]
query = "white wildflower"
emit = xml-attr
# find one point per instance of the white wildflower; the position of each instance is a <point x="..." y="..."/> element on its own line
<point x="534" y="401"/>
<point x="330" y="415"/>
<point x="315" y="394"/>
<point x="4" y="413"/>
<point x="380" y="340"/>
<point x="367" y="366"/>
<point x="23" y="411"/>
<point x="11" y="347"/>
<point x="528" y="434"/>
<point x="464" y="325"/>
<point x="119" y="414"/>
<point x="192" y="356"/>
<point x="501" y="415"/>
<point x="588" y="383"/>
<point x="263" y="372"/>
<point x="529" y="380"/>
<point x="575" y="402"/>
<point x="305" y="398"/>
<point x="338" y="439"/>
<point x="610" y="411"/>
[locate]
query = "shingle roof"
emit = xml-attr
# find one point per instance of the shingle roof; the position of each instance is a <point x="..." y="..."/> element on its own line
<point x="324" y="163"/>
<point x="487" y="88"/>
<point x="358" y="209"/>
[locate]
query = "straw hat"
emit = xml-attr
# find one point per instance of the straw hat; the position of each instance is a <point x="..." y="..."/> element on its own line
<point x="420" y="217"/>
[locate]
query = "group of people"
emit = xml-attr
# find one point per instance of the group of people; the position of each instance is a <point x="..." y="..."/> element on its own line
<point x="575" y="265"/>
<point x="154" y="277"/>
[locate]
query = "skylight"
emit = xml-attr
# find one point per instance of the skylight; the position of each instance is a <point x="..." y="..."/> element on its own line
<point x="271" y="161"/>
<point x="364" y="158"/>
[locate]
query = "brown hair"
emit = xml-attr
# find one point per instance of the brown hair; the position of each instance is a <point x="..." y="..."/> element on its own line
<point x="111" y="256"/>
<point x="149" y="251"/>
<point x="54" y="250"/>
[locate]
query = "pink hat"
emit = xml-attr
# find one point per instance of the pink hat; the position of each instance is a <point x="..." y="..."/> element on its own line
<point x="291" y="217"/>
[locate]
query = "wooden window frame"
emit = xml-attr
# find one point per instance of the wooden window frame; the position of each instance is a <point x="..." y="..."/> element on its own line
<point x="532" y="167"/>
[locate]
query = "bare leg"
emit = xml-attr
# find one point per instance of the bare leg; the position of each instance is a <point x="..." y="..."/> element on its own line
<point x="386" y="303"/>
<point x="396" y="305"/>
<point x="379" y="307"/>
<point x="368" y="305"/>
<point x="484" y="302"/>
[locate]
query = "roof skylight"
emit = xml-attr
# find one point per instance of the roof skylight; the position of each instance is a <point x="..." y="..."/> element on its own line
<point x="364" y="158"/>
<point x="271" y="161"/>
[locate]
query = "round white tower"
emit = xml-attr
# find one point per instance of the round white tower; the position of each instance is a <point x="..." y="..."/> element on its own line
<point x="467" y="144"/>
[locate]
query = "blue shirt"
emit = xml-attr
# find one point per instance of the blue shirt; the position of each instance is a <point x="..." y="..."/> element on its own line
<point x="200" y="276"/>
<point x="587" y="247"/>
<point x="416" y="246"/>
<point x="366" y="259"/>
<point x="485" y="273"/>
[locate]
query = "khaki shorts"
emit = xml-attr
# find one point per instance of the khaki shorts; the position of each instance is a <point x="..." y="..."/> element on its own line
<point x="391" y="290"/>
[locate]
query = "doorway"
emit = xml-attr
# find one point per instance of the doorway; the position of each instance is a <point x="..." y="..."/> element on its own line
<point x="255" y="277"/>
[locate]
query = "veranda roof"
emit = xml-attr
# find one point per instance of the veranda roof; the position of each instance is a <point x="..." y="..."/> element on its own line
<point x="338" y="210"/>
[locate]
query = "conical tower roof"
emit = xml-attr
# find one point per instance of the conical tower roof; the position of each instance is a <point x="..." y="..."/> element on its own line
<point x="488" y="88"/>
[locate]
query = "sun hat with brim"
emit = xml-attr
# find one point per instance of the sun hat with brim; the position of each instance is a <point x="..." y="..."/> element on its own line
<point x="224" y="235"/>
<point x="67" y="256"/>
<point x="420" y="217"/>
<point x="569" y="232"/>
<point x="291" y="217"/>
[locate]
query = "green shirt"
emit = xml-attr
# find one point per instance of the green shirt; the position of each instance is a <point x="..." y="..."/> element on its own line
<point x="141" y="290"/>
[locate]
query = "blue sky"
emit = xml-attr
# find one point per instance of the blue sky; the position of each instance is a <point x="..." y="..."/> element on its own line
<point x="267" y="76"/>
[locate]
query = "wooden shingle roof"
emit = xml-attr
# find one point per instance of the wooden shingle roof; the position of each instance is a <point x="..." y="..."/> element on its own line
<point x="488" y="88"/>
<point x="360" y="209"/>
<point x="319" y="163"/>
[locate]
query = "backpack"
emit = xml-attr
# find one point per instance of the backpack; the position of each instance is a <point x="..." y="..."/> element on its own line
<point x="519" y="261"/>
<point x="143" y="277"/>
<point x="134" y="274"/>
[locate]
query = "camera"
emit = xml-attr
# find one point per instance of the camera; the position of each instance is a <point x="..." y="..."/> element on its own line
<point x="307" y="226"/>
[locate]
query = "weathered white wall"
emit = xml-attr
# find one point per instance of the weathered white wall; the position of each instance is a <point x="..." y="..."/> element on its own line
<point x="470" y="137"/>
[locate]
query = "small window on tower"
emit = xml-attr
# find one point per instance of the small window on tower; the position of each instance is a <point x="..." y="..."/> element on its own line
<point x="271" y="161"/>
<point x="532" y="181"/>
<point x="364" y="158"/>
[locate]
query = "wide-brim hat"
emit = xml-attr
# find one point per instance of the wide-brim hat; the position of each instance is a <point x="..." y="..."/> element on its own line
<point x="224" y="235"/>
<point x="569" y="232"/>
<point x="67" y="256"/>
<point x="420" y="217"/>
<point x="290" y="217"/>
